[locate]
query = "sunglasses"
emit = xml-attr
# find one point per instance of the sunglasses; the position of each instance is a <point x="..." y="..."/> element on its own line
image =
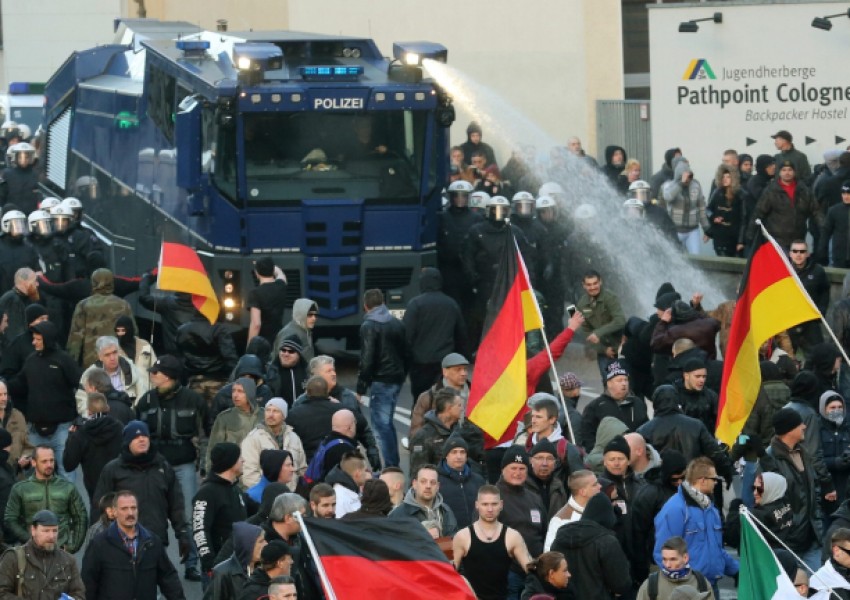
<point x="288" y="351"/>
<point x="759" y="489"/>
<point x="798" y="251"/>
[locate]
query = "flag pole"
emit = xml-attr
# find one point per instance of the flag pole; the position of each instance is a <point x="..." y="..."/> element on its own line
<point x="546" y="343"/>
<point x="762" y="527"/>
<point x="329" y="591"/>
<point x="793" y="271"/>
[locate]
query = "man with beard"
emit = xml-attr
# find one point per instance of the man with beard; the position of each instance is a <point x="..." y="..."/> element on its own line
<point x="105" y="565"/>
<point x="48" y="572"/>
<point x="485" y="550"/>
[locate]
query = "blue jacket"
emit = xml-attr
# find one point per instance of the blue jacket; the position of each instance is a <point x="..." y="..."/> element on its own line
<point x="702" y="529"/>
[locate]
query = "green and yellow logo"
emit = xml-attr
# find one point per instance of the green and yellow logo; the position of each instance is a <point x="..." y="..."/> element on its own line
<point x="699" y="69"/>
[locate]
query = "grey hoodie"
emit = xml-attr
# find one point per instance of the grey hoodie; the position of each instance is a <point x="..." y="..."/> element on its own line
<point x="298" y="326"/>
<point x="439" y="513"/>
<point x="609" y="428"/>
<point x="685" y="204"/>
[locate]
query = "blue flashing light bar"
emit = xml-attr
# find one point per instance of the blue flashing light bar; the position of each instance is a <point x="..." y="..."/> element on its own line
<point x="25" y="87"/>
<point x="194" y="46"/>
<point x="331" y="73"/>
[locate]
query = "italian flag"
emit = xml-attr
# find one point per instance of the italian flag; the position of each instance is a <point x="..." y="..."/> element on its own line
<point x="761" y="576"/>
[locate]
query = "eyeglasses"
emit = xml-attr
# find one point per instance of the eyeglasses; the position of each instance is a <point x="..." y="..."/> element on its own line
<point x="759" y="489"/>
<point x="715" y="479"/>
<point x="796" y="251"/>
<point x="843" y="549"/>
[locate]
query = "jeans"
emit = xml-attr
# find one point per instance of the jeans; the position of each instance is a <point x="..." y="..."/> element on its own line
<point x="516" y="584"/>
<point x="56" y="441"/>
<point x="748" y="478"/>
<point x="812" y="557"/>
<point x="187" y="477"/>
<point x="691" y="240"/>
<point x="382" y="401"/>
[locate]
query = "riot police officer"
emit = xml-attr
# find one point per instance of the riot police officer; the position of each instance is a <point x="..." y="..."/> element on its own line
<point x="523" y="218"/>
<point x="483" y="249"/>
<point x="19" y="180"/>
<point x="15" y="251"/>
<point x="455" y="223"/>
<point x="53" y="261"/>
<point x="82" y="241"/>
<point x="553" y="244"/>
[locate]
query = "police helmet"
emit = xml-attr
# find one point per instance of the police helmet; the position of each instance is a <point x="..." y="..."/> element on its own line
<point x="87" y="186"/>
<point x="545" y="202"/>
<point x="547" y="208"/>
<point x="639" y="190"/>
<point x="9" y="130"/>
<point x="14" y="223"/>
<point x="523" y="204"/>
<point x="40" y="222"/>
<point x="585" y="211"/>
<point x="19" y="153"/>
<point x="62" y="217"/>
<point x="76" y="207"/>
<point x="25" y="131"/>
<point x="49" y="203"/>
<point x="498" y="208"/>
<point x="551" y="189"/>
<point x="459" y="192"/>
<point x="633" y="209"/>
<point x="478" y="201"/>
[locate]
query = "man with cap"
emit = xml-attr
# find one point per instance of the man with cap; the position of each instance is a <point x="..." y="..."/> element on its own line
<point x="523" y="510"/>
<point x="571" y="388"/>
<point x="48" y="571"/>
<point x="288" y="372"/>
<point x="787" y="206"/>
<point x="272" y="434"/>
<point x="145" y="472"/>
<point x="695" y="398"/>
<point x="691" y="515"/>
<point x="175" y="415"/>
<point x="424" y="502"/>
<point x="615" y="402"/>
<point x="44" y="489"/>
<point x="427" y="445"/>
<point x="217" y="505"/>
<point x="275" y="561"/>
<point x="125" y="560"/>
<point x="434" y="326"/>
<point x="544" y="479"/>
<point x="458" y="482"/>
<point x="266" y="302"/>
<point x="20" y="347"/>
<point x="485" y="550"/>
<point x="788" y="457"/>
<point x="834" y="242"/>
<point x="455" y="370"/>
<point x="783" y="141"/>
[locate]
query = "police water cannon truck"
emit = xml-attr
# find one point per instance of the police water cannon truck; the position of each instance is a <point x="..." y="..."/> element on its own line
<point x="313" y="149"/>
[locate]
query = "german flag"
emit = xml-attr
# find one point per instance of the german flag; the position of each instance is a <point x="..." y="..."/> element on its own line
<point x="498" y="390"/>
<point x="771" y="299"/>
<point x="180" y="270"/>
<point x="383" y="558"/>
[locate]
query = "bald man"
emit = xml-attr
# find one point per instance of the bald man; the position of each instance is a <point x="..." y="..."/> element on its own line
<point x="340" y="440"/>
<point x="643" y="456"/>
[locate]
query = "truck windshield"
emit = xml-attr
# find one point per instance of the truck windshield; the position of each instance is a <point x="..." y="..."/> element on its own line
<point x="374" y="156"/>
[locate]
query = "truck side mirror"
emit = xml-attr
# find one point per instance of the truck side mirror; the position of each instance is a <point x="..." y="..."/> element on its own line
<point x="188" y="142"/>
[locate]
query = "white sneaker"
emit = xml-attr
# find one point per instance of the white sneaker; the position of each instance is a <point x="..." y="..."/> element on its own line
<point x="405" y="443"/>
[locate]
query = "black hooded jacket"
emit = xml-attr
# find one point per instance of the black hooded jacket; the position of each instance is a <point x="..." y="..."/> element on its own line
<point x="174" y="308"/>
<point x="215" y="508"/>
<point x="48" y="380"/>
<point x="595" y="558"/>
<point x="206" y="349"/>
<point x="664" y="174"/>
<point x="611" y="171"/>
<point x="92" y="445"/>
<point x="433" y="323"/>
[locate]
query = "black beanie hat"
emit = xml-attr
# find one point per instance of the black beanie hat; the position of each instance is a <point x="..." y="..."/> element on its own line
<point x="618" y="444"/>
<point x="454" y="441"/>
<point x="805" y="387"/>
<point x="693" y="364"/>
<point x="34" y="311"/>
<point x="515" y="454"/>
<point x="544" y="446"/>
<point x="672" y="462"/>
<point x="785" y="420"/>
<point x="271" y="461"/>
<point x="665" y="301"/>
<point x="223" y="456"/>
<point x="599" y="510"/>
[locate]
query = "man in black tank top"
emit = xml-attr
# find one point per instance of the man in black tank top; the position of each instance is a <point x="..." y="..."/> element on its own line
<point x="484" y="551"/>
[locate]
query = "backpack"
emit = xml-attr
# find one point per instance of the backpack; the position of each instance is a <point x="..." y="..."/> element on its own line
<point x="315" y="472"/>
<point x="22" y="566"/>
<point x="652" y="583"/>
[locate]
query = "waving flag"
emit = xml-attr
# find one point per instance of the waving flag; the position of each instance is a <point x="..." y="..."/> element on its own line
<point x="180" y="270"/>
<point x="383" y="558"/>
<point x="771" y="299"/>
<point x="498" y="390"/>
